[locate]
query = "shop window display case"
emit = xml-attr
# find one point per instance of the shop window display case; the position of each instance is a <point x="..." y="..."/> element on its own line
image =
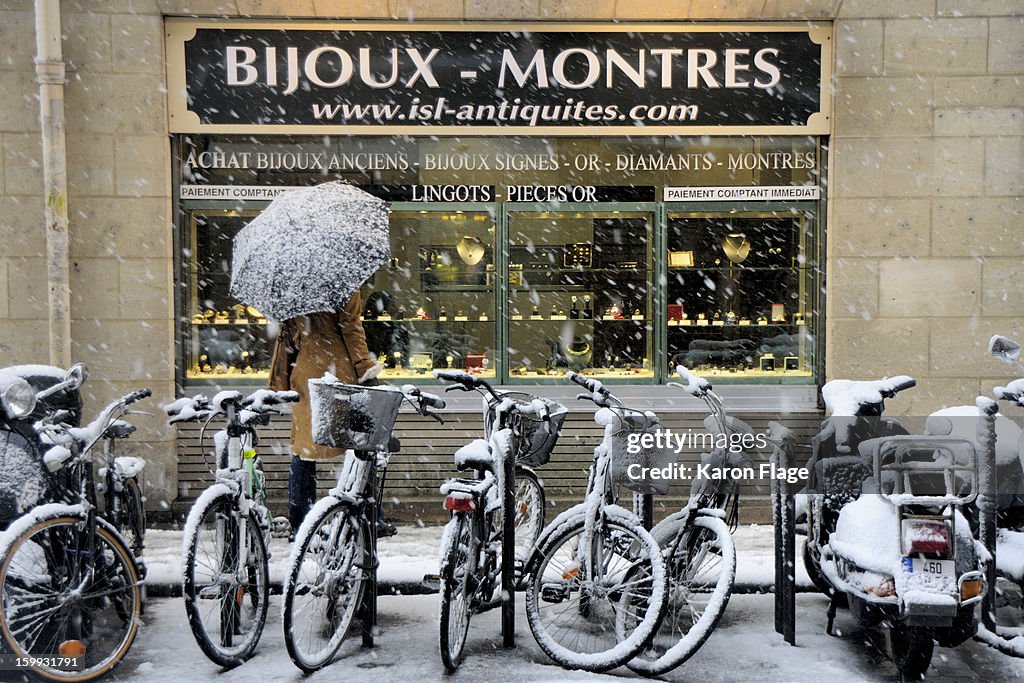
<point x="225" y="340"/>
<point x="433" y="305"/>
<point x="741" y="293"/>
<point x="579" y="294"/>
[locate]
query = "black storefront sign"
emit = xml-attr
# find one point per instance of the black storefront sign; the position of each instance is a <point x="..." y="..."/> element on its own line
<point x="651" y="80"/>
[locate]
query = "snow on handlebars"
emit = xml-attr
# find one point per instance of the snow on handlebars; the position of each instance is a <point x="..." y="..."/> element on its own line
<point x="846" y="397"/>
<point x="1014" y="391"/>
<point x="695" y="385"/>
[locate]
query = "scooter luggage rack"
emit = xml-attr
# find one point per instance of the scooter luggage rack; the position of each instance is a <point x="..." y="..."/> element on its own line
<point x="911" y="462"/>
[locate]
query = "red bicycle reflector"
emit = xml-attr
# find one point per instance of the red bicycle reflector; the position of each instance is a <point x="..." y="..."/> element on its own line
<point x="459" y="504"/>
<point x="71" y="648"/>
<point x="926" y="536"/>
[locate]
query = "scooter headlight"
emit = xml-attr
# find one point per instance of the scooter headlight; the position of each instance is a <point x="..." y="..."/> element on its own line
<point x="19" y="398"/>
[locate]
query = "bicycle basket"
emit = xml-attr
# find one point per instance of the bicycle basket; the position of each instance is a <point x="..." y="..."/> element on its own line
<point x="537" y="443"/>
<point x="352" y="416"/>
<point x="628" y="449"/>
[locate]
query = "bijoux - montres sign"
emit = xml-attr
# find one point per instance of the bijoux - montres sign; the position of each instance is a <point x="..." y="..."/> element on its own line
<point x="596" y="79"/>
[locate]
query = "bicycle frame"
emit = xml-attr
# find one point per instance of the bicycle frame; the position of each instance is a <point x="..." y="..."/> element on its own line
<point x="600" y="489"/>
<point x="232" y="473"/>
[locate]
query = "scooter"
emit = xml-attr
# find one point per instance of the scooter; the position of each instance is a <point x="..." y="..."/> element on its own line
<point x="1006" y="452"/>
<point x="29" y="394"/>
<point x="886" y="535"/>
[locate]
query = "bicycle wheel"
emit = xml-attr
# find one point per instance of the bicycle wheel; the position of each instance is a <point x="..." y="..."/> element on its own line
<point x="458" y="566"/>
<point x="701" y="561"/>
<point x="326" y="580"/>
<point x="133" y="516"/>
<point x="575" y="616"/>
<point x="60" y="598"/>
<point x="529" y="517"/>
<point x="225" y="597"/>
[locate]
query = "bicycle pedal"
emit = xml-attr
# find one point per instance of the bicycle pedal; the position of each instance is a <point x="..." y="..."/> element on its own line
<point x="554" y="594"/>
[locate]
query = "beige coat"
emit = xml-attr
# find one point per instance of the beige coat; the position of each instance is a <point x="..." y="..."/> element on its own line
<point x="307" y="347"/>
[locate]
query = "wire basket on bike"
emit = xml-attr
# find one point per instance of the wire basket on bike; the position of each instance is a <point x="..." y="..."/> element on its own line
<point x="352" y="416"/>
<point x="628" y="449"/>
<point x="536" y="443"/>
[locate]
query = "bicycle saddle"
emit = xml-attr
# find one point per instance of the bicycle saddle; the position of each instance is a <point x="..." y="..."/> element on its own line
<point x="475" y="455"/>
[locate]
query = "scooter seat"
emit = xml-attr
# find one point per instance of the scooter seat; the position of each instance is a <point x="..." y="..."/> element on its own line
<point x="962" y="421"/>
<point x="475" y="455"/>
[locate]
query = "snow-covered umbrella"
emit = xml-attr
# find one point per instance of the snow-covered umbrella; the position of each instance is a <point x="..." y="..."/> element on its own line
<point x="310" y="250"/>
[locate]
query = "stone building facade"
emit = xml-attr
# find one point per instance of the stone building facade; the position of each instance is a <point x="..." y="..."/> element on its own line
<point x="925" y="240"/>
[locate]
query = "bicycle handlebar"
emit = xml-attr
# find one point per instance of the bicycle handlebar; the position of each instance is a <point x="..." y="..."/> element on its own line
<point x="590" y="385"/>
<point x="894" y="385"/>
<point x="695" y="385"/>
<point x="136" y="396"/>
<point x="464" y="381"/>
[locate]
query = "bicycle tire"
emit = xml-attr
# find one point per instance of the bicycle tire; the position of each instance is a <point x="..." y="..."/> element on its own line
<point x="530" y="509"/>
<point x="330" y="534"/>
<point x="215" y="630"/>
<point x="686" y="547"/>
<point x="458" y="560"/>
<point x="133" y="516"/>
<point x="117" y="601"/>
<point x="623" y="532"/>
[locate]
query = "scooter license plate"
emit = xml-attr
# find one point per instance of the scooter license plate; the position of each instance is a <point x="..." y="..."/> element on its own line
<point x="917" y="565"/>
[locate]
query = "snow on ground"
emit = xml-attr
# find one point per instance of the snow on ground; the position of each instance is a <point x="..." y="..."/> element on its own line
<point x="412" y="552"/>
<point x="743" y="648"/>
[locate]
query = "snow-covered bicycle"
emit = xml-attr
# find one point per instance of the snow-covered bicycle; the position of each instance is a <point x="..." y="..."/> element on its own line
<point x="71" y="586"/>
<point x="596" y="583"/>
<point x="225" y="545"/>
<point x="472" y="574"/>
<point x="332" y="570"/>
<point x="697" y="544"/>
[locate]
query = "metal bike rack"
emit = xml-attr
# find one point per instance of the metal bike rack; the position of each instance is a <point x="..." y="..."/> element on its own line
<point x="783" y="513"/>
<point x="508" y="556"/>
<point x="986" y="503"/>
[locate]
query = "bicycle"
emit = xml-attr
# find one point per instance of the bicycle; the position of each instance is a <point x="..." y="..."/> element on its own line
<point x="332" y="570"/>
<point x="72" y="588"/>
<point x="473" y="578"/>
<point x="226" y="581"/>
<point x="122" y="494"/>
<point x="596" y="589"/>
<point x="697" y="544"/>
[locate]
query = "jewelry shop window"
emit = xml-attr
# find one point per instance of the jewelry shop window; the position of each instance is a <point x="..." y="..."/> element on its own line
<point x="224" y="339"/>
<point x="433" y="305"/>
<point x="742" y="299"/>
<point x="580" y="294"/>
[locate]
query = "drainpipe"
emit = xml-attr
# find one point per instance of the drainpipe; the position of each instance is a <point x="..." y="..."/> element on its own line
<point x="50" y="74"/>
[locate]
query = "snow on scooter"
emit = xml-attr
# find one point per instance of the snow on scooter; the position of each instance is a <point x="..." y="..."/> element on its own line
<point x="885" y="530"/>
<point x="1006" y="452"/>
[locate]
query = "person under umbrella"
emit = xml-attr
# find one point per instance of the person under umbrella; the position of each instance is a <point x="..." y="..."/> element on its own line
<point x="306" y="348"/>
<point x="301" y="262"/>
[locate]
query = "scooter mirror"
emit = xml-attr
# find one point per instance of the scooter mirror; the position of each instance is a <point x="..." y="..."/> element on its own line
<point x="1005" y="349"/>
<point x="76" y="376"/>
